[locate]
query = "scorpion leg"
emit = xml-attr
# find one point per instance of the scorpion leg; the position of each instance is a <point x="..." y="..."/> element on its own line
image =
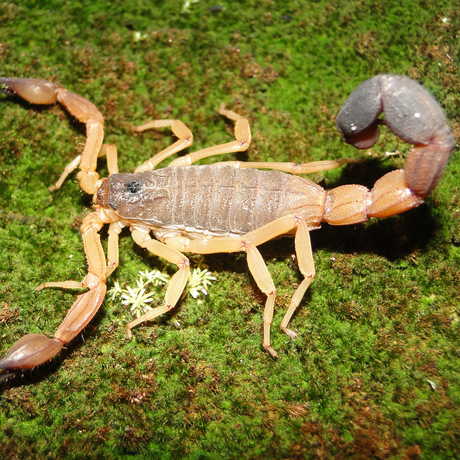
<point x="264" y="281"/>
<point x="110" y="152"/>
<point x="292" y="168"/>
<point x="111" y="265"/>
<point x="35" y="349"/>
<point x="240" y="144"/>
<point x="412" y="113"/>
<point x="69" y="169"/>
<point x="179" y="129"/>
<point x="112" y="247"/>
<point x="38" y="91"/>
<point x="107" y="150"/>
<point x="257" y="266"/>
<point x="307" y="268"/>
<point x="176" y="284"/>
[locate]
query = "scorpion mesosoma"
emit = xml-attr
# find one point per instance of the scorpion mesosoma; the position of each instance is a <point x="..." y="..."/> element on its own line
<point x="230" y="206"/>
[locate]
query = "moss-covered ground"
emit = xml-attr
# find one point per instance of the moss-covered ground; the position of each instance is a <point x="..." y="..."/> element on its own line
<point x="374" y="372"/>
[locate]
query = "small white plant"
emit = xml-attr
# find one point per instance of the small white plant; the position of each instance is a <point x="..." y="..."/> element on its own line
<point x="187" y="4"/>
<point x="137" y="299"/>
<point x="154" y="277"/>
<point x="199" y="281"/>
<point x="139" y="36"/>
<point x="115" y="291"/>
<point x="149" y="288"/>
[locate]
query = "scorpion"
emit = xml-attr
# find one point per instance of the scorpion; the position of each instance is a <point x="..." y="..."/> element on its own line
<point x="229" y="206"/>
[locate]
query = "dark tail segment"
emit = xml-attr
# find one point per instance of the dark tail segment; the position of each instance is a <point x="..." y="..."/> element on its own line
<point x="412" y="113"/>
<point x="415" y="116"/>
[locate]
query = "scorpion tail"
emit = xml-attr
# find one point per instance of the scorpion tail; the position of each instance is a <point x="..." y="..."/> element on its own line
<point x="35" y="349"/>
<point x="413" y="114"/>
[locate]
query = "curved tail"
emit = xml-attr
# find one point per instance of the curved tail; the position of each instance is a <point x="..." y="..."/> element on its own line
<point x="414" y="115"/>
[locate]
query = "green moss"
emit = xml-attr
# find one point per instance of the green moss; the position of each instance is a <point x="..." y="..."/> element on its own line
<point x="374" y="370"/>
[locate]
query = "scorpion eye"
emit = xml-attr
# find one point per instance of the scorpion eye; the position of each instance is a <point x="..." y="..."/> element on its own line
<point x="133" y="187"/>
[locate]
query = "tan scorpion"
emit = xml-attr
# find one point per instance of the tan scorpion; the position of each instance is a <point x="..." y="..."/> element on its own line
<point x="230" y="206"/>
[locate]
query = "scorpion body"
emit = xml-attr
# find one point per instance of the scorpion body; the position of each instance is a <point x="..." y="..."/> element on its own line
<point x="230" y="206"/>
<point x="213" y="200"/>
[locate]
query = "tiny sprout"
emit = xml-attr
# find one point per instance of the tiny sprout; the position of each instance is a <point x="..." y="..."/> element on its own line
<point x="199" y="281"/>
<point x="187" y="4"/>
<point x="154" y="277"/>
<point x="139" y="298"/>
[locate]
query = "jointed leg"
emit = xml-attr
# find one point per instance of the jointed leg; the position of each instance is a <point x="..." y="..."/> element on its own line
<point x="112" y="247"/>
<point x="97" y="265"/>
<point x="242" y="142"/>
<point x="87" y="304"/>
<point x="179" y="129"/>
<point x="108" y="150"/>
<point x="176" y="284"/>
<point x="217" y="245"/>
<point x="292" y="168"/>
<point x="69" y="168"/>
<point x="35" y="349"/>
<point x="38" y="91"/>
<point x="257" y="267"/>
<point x="264" y="281"/>
<point x="307" y="268"/>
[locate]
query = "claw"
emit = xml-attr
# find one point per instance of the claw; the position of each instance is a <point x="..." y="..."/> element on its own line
<point x="412" y="113"/>
<point x="32" y="90"/>
<point x="37" y="91"/>
<point x="31" y="351"/>
<point x="81" y="313"/>
<point x="35" y="349"/>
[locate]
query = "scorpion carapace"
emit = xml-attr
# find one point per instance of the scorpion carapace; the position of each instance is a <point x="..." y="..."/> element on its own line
<point x="230" y="206"/>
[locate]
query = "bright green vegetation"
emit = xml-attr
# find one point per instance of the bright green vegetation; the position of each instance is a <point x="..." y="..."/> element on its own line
<point x="374" y="372"/>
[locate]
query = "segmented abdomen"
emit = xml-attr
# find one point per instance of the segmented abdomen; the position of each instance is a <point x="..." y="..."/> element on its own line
<point x="220" y="199"/>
